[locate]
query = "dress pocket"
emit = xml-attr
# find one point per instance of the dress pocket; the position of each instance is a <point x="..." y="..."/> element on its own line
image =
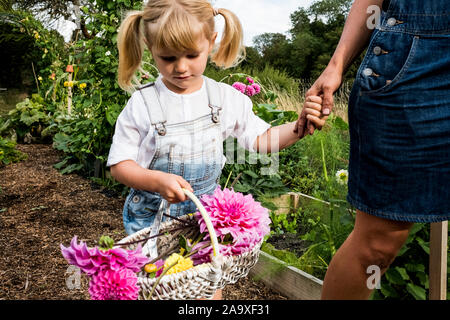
<point x="387" y="60"/>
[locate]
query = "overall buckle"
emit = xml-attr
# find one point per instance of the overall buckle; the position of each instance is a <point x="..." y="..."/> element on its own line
<point x="215" y="113"/>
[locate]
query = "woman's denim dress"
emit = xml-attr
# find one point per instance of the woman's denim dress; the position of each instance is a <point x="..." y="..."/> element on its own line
<point x="192" y="150"/>
<point x="399" y="116"/>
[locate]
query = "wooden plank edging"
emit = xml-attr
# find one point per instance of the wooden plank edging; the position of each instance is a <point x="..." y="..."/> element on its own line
<point x="287" y="280"/>
<point x="438" y="260"/>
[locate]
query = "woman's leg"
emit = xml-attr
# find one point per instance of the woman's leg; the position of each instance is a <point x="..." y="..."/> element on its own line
<point x="374" y="241"/>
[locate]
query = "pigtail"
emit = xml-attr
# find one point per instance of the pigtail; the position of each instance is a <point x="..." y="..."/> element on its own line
<point x="131" y="47"/>
<point x="231" y="50"/>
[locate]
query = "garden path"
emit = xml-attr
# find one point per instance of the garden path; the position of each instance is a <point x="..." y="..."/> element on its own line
<point x="40" y="209"/>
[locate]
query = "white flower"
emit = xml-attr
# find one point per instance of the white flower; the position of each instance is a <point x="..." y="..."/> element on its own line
<point x="342" y="176"/>
<point x="108" y="53"/>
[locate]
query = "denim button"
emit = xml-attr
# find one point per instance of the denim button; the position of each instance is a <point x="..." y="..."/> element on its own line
<point x="367" y="72"/>
<point x="377" y="50"/>
<point x="136" y="199"/>
<point x="392" y="22"/>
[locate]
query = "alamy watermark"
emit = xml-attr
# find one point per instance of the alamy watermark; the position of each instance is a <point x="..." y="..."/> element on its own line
<point x="374" y="20"/>
<point x="73" y="278"/>
<point x="373" y="281"/>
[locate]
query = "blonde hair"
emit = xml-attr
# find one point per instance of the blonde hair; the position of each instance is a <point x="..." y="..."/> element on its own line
<point x="176" y="25"/>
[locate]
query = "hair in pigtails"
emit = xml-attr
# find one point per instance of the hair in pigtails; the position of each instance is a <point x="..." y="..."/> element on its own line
<point x="131" y="47"/>
<point x="175" y="25"/>
<point x="231" y="50"/>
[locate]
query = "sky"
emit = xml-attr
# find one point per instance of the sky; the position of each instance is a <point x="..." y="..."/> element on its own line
<point x="256" y="16"/>
<point x="261" y="16"/>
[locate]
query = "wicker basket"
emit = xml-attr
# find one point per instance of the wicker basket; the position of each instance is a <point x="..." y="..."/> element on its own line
<point x="202" y="280"/>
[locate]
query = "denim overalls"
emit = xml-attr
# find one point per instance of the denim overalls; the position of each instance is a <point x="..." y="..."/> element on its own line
<point x="399" y="115"/>
<point x="192" y="150"/>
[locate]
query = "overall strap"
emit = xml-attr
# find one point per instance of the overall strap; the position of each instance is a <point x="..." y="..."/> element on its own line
<point x="154" y="107"/>
<point x="213" y="90"/>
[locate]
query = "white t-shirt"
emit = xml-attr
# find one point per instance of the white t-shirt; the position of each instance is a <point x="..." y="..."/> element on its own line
<point x="132" y="141"/>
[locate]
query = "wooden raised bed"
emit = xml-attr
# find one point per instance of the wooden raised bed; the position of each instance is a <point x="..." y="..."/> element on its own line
<point x="299" y="285"/>
<point x="291" y="282"/>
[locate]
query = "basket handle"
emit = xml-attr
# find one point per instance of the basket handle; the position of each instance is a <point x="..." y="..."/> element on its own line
<point x="209" y="226"/>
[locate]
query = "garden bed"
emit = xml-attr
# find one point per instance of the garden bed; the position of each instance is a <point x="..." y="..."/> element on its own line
<point x="40" y="208"/>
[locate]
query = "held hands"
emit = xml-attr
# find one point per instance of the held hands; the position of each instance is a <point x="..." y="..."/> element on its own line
<point x="170" y="187"/>
<point x="324" y="88"/>
<point x="312" y="112"/>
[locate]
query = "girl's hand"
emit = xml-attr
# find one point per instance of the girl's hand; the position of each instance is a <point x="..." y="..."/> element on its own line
<point x="170" y="185"/>
<point x="313" y="110"/>
<point x="325" y="86"/>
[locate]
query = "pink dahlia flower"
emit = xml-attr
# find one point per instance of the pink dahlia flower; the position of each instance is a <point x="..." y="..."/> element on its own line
<point x="159" y="264"/>
<point x="120" y="284"/>
<point x="250" y="80"/>
<point x="250" y="91"/>
<point x="256" y="87"/>
<point x="239" y="86"/>
<point x="92" y="260"/>
<point x="234" y="214"/>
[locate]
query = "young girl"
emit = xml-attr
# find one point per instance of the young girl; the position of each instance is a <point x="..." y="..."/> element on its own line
<point x="170" y="134"/>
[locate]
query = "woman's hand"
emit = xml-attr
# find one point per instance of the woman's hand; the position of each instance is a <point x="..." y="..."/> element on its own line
<point x="325" y="86"/>
<point x="169" y="186"/>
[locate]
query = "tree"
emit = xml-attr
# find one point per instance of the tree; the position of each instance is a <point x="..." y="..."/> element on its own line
<point x="273" y="48"/>
<point x="252" y="58"/>
<point x="53" y="8"/>
<point x="314" y="35"/>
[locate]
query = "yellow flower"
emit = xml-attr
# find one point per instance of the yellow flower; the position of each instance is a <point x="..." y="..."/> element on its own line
<point x="66" y="83"/>
<point x="150" y="268"/>
<point x="83" y="85"/>
<point x="40" y="78"/>
<point x="36" y="35"/>
<point x="181" y="263"/>
<point x="70" y="84"/>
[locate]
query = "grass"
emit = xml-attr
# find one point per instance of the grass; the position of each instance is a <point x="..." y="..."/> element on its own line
<point x="290" y="92"/>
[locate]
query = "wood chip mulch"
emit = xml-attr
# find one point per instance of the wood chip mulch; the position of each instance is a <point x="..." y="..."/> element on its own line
<point x="40" y="209"/>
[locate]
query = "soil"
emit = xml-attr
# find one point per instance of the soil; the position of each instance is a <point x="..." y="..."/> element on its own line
<point x="41" y="209"/>
<point x="290" y="242"/>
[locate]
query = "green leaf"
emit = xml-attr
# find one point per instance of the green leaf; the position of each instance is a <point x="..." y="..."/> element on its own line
<point x="183" y="243"/>
<point x="414" y="267"/>
<point x="388" y="291"/>
<point x="251" y="173"/>
<point x="242" y="188"/>
<point x="417" y="292"/>
<point x="416" y="228"/>
<point x="394" y="277"/>
<point x="403" y="273"/>
<point x="111" y="114"/>
<point x="340" y="123"/>
<point x="423" y="278"/>
<point x="61" y="164"/>
<point x="269" y="205"/>
<point x="106" y="243"/>
<point x="72" y="168"/>
<point x="424" y="245"/>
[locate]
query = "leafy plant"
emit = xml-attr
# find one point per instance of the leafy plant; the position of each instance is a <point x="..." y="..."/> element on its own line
<point x="407" y="277"/>
<point x="9" y="153"/>
<point x="27" y="121"/>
